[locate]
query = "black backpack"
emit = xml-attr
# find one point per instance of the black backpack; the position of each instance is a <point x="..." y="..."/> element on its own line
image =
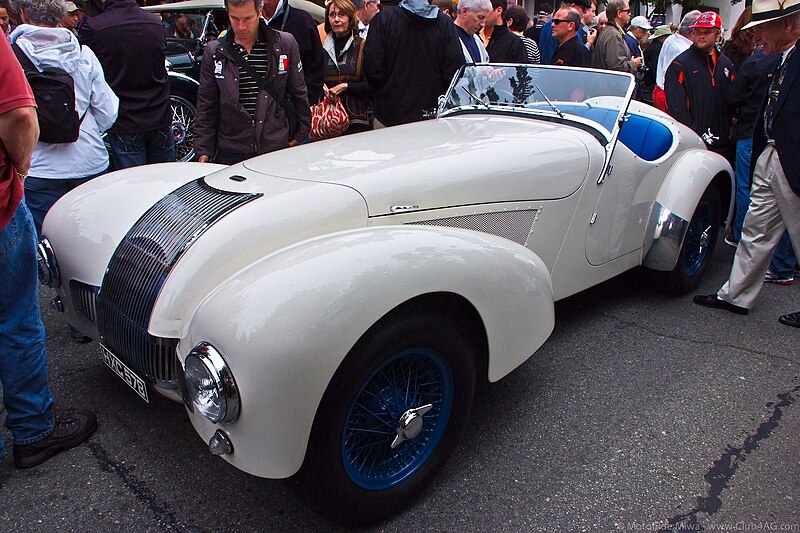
<point x="54" y="90"/>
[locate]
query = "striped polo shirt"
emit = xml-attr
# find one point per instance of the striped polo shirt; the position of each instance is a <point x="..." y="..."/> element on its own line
<point x="248" y="87"/>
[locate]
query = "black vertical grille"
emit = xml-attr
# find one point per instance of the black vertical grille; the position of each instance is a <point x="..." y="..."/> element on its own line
<point x="84" y="299"/>
<point x="141" y="264"/>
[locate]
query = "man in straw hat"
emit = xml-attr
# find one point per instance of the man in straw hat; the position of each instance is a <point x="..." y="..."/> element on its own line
<point x="775" y="194"/>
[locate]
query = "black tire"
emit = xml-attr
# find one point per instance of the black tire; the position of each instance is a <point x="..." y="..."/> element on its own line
<point x="184" y="114"/>
<point x="698" y="245"/>
<point x="354" y="426"/>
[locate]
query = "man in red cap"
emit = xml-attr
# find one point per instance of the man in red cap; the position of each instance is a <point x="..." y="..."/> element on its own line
<point x="775" y="166"/>
<point x="696" y="82"/>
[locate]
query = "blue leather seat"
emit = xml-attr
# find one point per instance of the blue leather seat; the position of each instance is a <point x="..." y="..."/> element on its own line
<point x="646" y="137"/>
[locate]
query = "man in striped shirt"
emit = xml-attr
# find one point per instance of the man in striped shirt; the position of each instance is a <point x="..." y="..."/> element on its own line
<point x="251" y="88"/>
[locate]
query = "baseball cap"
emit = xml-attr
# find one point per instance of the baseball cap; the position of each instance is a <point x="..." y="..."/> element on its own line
<point x="71" y="7"/>
<point x="709" y="19"/>
<point x="641" y="22"/>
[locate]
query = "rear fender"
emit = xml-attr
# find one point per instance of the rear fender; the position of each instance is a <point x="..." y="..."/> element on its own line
<point x="285" y="324"/>
<point x="676" y="202"/>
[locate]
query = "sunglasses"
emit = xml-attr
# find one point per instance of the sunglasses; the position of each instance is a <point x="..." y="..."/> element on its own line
<point x="559" y="21"/>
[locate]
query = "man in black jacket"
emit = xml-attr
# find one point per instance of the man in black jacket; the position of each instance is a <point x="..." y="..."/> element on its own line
<point x="502" y="45"/>
<point x="244" y="76"/>
<point x="696" y="83"/>
<point x="301" y="25"/>
<point x="775" y="194"/>
<point x="410" y="57"/>
<point x="570" y="52"/>
<point x="130" y="44"/>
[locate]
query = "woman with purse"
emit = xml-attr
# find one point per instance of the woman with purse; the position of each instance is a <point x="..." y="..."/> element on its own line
<point x="344" y="77"/>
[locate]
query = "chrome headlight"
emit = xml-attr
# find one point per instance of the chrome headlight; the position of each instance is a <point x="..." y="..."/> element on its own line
<point x="49" y="274"/>
<point x="209" y="384"/>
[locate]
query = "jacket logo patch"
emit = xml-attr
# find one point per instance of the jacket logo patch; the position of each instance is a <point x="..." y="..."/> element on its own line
<point x="218" y="69"/>
<point x="283" y="64"/>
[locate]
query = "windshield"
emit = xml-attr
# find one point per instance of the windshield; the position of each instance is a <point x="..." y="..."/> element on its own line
<point x="594" y="97"/>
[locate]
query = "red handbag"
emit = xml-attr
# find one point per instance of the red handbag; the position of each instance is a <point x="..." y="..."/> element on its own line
<point x="328" y="119"/>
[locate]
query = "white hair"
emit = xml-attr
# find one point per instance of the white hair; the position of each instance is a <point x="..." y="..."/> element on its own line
<point x="687" y="20"/>
<point x="475" y="5"/>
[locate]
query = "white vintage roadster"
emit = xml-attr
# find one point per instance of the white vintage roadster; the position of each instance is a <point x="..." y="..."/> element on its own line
<point x="325" y="311"/>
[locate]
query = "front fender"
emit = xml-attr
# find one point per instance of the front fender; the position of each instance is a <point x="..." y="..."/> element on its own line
<point x="181" y="83"/>
<point x="676" y="202"/>
<point x="286" y="323"/>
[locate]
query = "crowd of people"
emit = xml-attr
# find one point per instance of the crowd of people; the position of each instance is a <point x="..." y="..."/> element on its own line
<point x="387" y="64"/>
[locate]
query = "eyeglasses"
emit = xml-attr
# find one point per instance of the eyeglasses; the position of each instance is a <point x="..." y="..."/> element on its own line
<point x="559" y="21"/>
<point x="624" y="11"/>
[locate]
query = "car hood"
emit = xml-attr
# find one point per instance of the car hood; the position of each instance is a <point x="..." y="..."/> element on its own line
<point x="444" y="163"/>
<point x="87" y="224"/>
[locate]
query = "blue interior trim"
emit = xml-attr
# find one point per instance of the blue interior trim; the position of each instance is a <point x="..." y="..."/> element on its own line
<point x="646" y="137"/>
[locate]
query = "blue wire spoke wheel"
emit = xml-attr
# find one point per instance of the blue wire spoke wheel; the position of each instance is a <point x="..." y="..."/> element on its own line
<point x="391" y="416"/>
<point x="698" y="237"/>
<point x="397" y="418"/>
<point x="698" y="244"/>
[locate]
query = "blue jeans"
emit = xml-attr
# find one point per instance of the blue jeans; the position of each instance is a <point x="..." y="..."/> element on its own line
<point x="784" y="262"/>
<point x="42" y="193"/>
<point x="141" y="148"/>
<point x="744" y="151"/>
<point x="23" y="356"/>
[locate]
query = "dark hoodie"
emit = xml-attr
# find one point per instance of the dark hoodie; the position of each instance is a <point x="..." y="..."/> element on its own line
<point x="409" y="60"/>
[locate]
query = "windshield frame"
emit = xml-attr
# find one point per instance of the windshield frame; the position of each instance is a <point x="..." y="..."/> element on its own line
<point x="544" y="112"/>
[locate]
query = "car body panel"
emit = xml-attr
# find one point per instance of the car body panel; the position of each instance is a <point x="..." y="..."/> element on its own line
<point x="234" y="243"/>
<point x="100" y="213"/>
<point x="328" y="284"/>
<point x="426" y="165"/>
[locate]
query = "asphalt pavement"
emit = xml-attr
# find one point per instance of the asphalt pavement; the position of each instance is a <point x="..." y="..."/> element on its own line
<point x="642" y="412"/>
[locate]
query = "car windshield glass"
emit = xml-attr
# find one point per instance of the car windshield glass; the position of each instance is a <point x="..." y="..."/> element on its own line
<point x="585" y="95"/>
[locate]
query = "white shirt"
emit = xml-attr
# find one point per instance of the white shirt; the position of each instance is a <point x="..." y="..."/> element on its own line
<point x="675" y="45"/>
<point x="94" y="101"/>
<point x="481" y="50"/>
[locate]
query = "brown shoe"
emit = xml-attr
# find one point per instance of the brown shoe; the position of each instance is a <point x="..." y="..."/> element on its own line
<point x="71" y="429"/>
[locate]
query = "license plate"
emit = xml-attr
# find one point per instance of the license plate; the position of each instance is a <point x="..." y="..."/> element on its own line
<point x="127" y="375"/>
